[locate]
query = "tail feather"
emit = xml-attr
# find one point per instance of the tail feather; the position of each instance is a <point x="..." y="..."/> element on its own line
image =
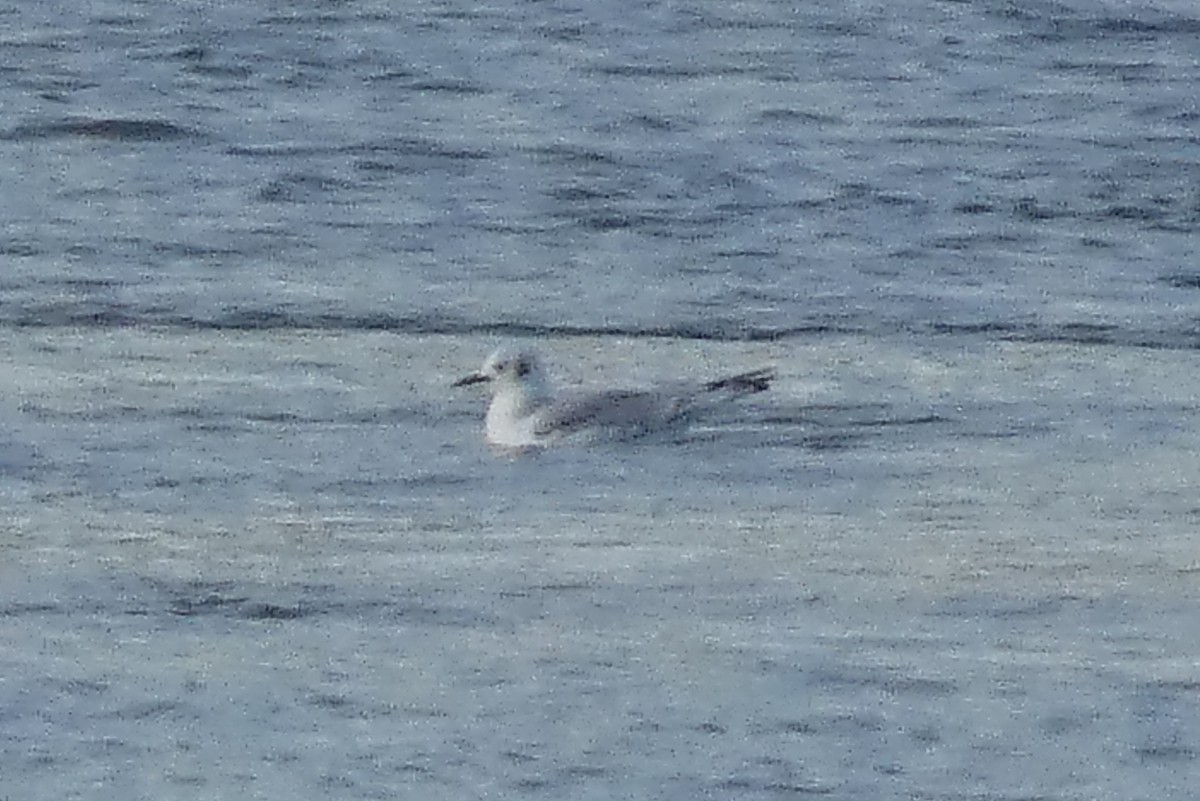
<point x="744" y="383"/>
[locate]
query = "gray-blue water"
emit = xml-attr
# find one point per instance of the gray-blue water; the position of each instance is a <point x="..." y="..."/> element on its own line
<point x="253" y="544"/>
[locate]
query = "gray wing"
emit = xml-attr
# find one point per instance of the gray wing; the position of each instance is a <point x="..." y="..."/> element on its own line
<point x="621" y="409"/>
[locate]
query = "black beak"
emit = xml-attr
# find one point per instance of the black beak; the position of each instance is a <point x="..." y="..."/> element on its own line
<point x="473" y="378"/>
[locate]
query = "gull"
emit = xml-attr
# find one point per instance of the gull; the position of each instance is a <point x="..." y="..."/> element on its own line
<point x="524" y="413"/>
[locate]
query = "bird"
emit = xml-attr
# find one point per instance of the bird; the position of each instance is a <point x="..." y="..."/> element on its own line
<point x="525" y="413"/>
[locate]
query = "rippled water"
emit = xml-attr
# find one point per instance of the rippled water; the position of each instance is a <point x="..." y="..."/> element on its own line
<point x="255" y="547"/>
<point x="757" y="169"/>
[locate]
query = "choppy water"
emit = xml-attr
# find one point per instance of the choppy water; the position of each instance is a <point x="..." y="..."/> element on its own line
<point x="254" y="547"/>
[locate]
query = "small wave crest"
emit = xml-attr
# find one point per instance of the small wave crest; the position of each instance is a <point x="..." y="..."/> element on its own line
<point x="96" y="316"/>
<point x="111" y="129"/>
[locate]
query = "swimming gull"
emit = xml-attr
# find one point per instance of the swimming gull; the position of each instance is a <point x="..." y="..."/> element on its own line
<point x="524" y="413"/>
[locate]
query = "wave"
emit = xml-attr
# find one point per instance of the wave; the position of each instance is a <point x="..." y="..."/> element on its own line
<point x="111" y="129"/>
<point x="714" y="330"/>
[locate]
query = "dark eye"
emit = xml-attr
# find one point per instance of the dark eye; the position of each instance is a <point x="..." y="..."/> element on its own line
<point x="523" y="367"/>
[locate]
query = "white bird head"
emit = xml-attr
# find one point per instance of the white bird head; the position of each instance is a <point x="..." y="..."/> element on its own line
<point x="506" y="368"/>
<point x="518" y="390"/>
